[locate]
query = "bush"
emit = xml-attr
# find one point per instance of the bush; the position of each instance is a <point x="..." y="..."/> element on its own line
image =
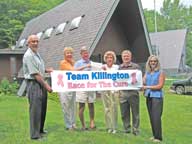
<point x="8" y="88"/>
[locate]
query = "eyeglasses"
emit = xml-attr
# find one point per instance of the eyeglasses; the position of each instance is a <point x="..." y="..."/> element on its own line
<point x="153" y="61"/>
<point x="33" y="41"/>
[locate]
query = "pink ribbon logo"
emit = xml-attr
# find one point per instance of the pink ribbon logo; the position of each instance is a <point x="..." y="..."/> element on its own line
<point x="134" y="79"/>
<point x="60" y="80"/>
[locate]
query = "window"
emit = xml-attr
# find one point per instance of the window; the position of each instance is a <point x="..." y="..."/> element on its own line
<point x="39" y="35"/>
<point x="60" y="28"/>
<point x="22" y="43"/>
<point x="155" y="50"/>
<point x="48" y="33"/>
<point x="75" y="22"/>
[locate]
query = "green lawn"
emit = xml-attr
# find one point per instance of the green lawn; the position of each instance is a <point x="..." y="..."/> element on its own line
<point x="14" y="123"/>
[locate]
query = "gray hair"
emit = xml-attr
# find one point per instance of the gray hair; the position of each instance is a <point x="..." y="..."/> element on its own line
<point x="31" y="37"/>
<point x="83" y="48"/>
<point x="126" y="52"/>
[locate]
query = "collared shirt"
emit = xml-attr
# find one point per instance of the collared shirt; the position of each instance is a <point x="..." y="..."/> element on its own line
<point x="81" y="63"/>
<point x="128" y="93"/>
<point x="66" y="65"/>
<point x="129" y="66"/>
<point x="32" y="64"/>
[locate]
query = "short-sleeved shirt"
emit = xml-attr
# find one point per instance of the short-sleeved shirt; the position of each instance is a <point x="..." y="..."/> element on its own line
<point x="65" y="65"/>
<point x="84" y="96"/>
<point x="32" y="64"/>
<point x="124" y="94"/>
<point x="81" y="63"/>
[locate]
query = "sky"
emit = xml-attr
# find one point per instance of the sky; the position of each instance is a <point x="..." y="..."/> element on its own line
<point x="149" y="4"/>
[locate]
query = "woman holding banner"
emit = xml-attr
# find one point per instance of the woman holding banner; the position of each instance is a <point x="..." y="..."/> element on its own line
<point x="110" y="98"/>
<point x="153" y="82"/>
<point x="67" y="99"/>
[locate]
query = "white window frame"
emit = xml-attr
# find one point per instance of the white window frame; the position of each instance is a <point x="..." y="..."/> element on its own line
<point x="22" y="43"/>
<point x="75" y="22"/>
<point x="39" y="35"/>
<point x="60" y="28"/>
<point x="47" y="33"/>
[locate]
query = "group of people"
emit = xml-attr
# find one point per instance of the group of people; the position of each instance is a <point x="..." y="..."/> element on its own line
<point x="37" y="88"/>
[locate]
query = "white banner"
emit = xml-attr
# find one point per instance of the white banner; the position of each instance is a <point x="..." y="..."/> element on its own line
<point x="63" y="81"/>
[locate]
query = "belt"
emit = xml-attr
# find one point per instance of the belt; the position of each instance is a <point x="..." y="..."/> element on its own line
<point x="32" y="80"/>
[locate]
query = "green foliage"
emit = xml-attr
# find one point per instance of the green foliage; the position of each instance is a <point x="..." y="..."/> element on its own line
<point x="173" y="15"/>
<point x="8" y="88"/>
<point x="15" y="13"/>
<point x="149" y="17"/>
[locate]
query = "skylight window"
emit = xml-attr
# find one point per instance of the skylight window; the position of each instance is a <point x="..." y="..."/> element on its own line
<point x="48" y="33"/>
<point x="75" y="22"/>
<point x="22" y="43"/>
<point x="60" y="28"/>
<point x="39" y="35"/>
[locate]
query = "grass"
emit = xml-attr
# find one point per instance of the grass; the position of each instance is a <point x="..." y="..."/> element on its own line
<point x="14" y="123"/>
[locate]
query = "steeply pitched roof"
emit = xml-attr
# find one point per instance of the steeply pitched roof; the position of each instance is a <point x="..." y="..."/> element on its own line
<point x="171" y="45"/>
<point x="97" y="14"/>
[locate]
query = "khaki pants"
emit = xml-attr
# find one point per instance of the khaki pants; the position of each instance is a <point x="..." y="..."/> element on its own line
<point x="110" y="102"/>
<point x="68" y="105"/>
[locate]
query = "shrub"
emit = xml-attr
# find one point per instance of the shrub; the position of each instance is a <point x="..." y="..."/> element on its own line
<point x="8" y="88"/>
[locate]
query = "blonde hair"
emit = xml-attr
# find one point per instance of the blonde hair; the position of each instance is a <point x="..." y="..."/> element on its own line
<point x="110" y="53"/>
<point x="67" y="49"/>
<point x="148" y="68"/>
<point x="70" y="49"/>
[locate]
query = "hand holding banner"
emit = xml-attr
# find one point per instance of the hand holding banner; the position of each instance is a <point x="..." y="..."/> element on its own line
<point x="63" y="81"/>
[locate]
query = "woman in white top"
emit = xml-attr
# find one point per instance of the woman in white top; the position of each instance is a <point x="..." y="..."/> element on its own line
<point x="110" y="98"/>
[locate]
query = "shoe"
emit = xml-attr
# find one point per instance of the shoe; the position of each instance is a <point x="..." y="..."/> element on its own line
<point x="156" y="140"/>
<point x="74" y="127"/>
<point x="43" y="132"/>
<point x="114" y="131"/>
<point x="127" y="131"/>
<point x="37" y="138"/>
<point x="70" y="129"/>
<point x="84" y="129"/>
<point x="151" y="138"/>
<point x="136" y="133"/>
<point x="109" y="130"/>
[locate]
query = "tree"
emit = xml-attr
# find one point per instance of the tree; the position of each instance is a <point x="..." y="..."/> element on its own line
<point x="15" y="13"/>
<point x="173" y="15"/>
<point x="149" y="16"/>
